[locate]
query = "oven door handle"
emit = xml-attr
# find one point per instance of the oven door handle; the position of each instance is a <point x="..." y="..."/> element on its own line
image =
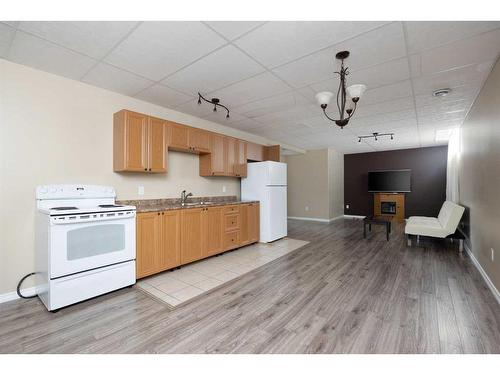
<point x="92" y="218"/>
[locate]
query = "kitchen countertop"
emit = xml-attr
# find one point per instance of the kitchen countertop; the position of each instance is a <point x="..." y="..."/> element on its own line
<point x="154" y="205"/>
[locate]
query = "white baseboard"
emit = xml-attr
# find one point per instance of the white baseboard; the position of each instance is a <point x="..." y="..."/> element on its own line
<point x="354" y="216"/>
<point x="483" y="273"/>
<point x="11" y="296"/>
<point x="315" y="219"/>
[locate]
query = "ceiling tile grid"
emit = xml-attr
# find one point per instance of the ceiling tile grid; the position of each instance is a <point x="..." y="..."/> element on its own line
<point x="268" y="73"/>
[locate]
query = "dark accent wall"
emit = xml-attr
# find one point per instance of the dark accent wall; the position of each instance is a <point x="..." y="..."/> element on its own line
<point x="428" y="179"/>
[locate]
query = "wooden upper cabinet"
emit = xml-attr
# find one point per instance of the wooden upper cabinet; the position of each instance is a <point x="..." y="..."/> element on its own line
<point x="192" y="235"/>
<point x="230" y="162"/>
<point x="139" y="143"/>
<point x="214" y="163"/>
<point x="179" y="137"/>
<point x="240" y="168"/>
<point x="199" y="140"/>
<point x="255" y="152"/>
<point x="130" y="141"/>
<point x="148" y="243"/>
<point x="157" y="145"/>
<point x="272" y="153"/>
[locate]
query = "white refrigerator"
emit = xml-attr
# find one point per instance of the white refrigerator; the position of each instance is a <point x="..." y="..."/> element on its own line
<point x="266" y="182"/>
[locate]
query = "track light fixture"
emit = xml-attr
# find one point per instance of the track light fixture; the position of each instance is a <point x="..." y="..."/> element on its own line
<point x="376" y="136"/>
<point x="215" y="102"/>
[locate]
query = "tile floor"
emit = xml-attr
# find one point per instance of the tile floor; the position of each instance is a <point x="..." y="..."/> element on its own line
<point x="180" y="286"/>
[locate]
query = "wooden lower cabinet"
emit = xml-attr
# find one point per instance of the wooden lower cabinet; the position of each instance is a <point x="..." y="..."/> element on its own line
<point x="250" y="224"/>
<point x="192" y="235"/>
<point x="158" y="242"/>
<point x="168" y="239"/>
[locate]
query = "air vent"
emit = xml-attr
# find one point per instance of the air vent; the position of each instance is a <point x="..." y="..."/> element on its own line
<point x="441" y="92"/>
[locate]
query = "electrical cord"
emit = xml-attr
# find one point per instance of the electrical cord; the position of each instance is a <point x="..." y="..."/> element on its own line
<point x="18" y="290"/>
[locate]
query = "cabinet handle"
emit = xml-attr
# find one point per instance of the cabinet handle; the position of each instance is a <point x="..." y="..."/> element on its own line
<point x="158" y="214"/>
<point x="146" y="169"/>
<point x="163" y="213"/>
<point x="150" y="169"/>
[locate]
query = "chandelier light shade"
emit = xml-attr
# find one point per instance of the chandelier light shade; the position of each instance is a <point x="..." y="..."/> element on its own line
<point x="353" y="92"/>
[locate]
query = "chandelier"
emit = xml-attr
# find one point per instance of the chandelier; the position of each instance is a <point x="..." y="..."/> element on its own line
<point x="346" y="110"/>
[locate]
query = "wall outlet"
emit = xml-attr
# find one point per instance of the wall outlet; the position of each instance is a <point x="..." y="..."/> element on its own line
<point x="347" y="206"/>
<point x="140" y="190"/>
<point x="224" y="188"/>
<point x="306" y="208"/>
<point x="492" y="254"/>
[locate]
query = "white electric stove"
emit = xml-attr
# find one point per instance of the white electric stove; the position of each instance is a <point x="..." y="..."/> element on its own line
<point x="85" y="243"/>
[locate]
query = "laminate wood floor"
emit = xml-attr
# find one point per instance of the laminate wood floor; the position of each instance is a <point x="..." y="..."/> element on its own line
<point x="338" y="294"/>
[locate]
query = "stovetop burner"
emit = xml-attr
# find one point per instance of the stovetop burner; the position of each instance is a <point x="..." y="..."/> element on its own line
<point x="109" y="205"/>
<point x="63" y="208"/>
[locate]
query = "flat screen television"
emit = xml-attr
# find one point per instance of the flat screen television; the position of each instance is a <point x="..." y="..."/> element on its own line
<point x="395" y="181"/>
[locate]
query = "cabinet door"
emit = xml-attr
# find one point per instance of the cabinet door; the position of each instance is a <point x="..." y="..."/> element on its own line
<point x="253" y="217"/>
<point x="241" y="158"/>
<point x="255" y="152"/>
<point x="179" y="136"/>
<point x="213" y="230"/>
<point x="148" y="243"/>
<point x="191" y="235"/>
<point x="199" y="140"/>
<point x="157" y="145"/>
<point x="170" y="250"/>
<point x="218" y="156"/>
<point x="136" y="138"/>
<point x="231" y="156"/>
<point x="244" y="225"/>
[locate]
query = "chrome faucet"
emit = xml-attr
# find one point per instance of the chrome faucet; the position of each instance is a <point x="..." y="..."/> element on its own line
<point x="185" y="196"/>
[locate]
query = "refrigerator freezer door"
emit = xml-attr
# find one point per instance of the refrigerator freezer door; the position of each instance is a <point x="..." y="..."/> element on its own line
<point x="276" y="173"/>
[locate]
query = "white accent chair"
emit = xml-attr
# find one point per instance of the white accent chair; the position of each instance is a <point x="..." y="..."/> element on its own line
<point x="443" y="226"/>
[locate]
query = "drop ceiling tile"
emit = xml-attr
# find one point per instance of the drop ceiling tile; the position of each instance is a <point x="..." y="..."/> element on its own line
<point x="470" y="74"/>
<point x="465" y="92"/>
<point x="270" y="105"/>
<point x="111" y="78"/>
<point x="246" y="124"/>
<point x="380" y="75"/>
<point x="444" y="107"/>
<point x="219" y="69"/>
<point x="396" y="105"/>
<point x="162" y="95"/>
<point x="423" y="35"/>
<point x="385" y="93"/>
<point x="6" y="36"/>
<point x="92" y="38"/>
<point x="372" y="48"/>
<point x="40" y="54"/>
<point x="233" y="29"/>
<point x="289" y="115"/>
<point x="156" y="49"/>
<point x="259" y="87"/>
<point x="13" y="24"/>
<point x="385" y="127"/>
<point x="481" y="48"/>
<point x="276" y="43"/>
<point x="415" y="65"/>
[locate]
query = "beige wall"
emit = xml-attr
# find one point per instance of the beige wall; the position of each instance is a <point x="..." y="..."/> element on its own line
<point x="336" y="183"/>
<point x="55" y="130"/>
<point x="479" y="175"/>
<point x="316" y="182"/>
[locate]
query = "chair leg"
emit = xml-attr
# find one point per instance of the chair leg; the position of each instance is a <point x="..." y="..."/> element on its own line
<point x="418" y="239"/>
<point x="408" y="240"/>
<point x="460" y="245"/>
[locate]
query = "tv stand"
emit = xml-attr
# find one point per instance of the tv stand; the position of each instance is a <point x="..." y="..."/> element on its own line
<point x="389" y="206"/>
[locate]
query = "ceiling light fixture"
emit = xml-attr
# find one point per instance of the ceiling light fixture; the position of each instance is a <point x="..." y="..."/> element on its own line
<point x="376" y="136"/>
<point x="215" y="102"/>
<point x="354" y="91"/>
<point x="441" y="92"/>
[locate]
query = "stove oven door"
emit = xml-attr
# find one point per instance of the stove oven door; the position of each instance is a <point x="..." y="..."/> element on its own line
<point x="85" y="242"/>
